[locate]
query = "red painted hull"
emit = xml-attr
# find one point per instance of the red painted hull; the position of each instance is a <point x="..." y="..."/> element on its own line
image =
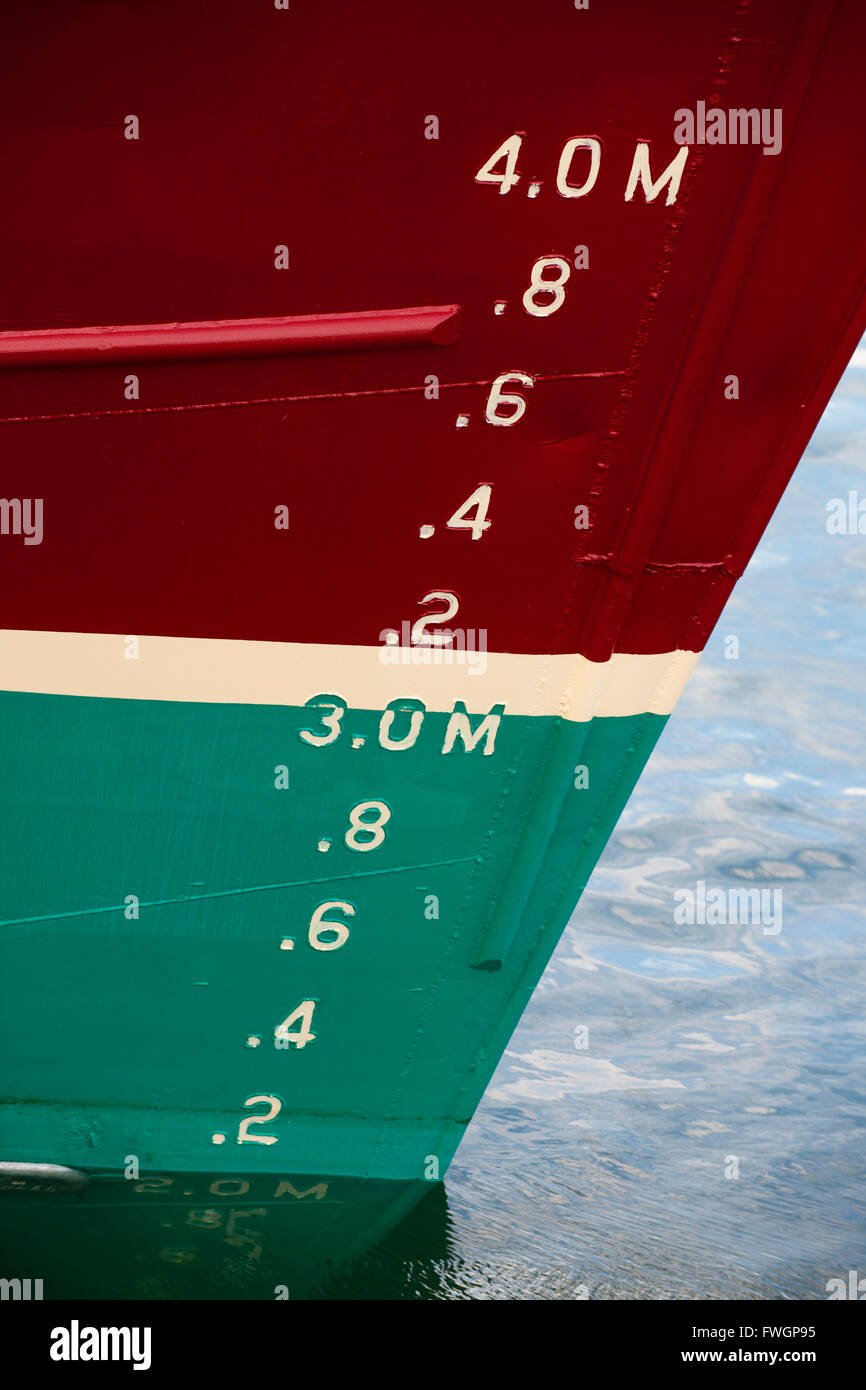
<point x="245" y="143"/>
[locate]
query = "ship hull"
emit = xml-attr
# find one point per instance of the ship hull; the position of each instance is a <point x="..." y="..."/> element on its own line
<point x="187" y="972"/>
<point x="365" y="514"/>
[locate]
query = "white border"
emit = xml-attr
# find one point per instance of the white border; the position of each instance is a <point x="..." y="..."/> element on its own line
<point x="218" y="671"/>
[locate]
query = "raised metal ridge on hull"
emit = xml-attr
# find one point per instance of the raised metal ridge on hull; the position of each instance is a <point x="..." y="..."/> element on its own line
<point x="299" y="333"/>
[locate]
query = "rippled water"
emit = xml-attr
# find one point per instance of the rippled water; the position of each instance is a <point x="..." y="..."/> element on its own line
<point x="605" y="1168"/>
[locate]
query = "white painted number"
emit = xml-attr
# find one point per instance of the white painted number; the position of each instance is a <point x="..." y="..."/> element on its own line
<point x="331" y="721"/>
<point x="569" y="190"/>
<point x="541" y="284"/>
<point x="304" y="1012"/>
<point x="499" y="397"/>
<point x="419" y="637"/>
<point x="508" y="150"/>
<point x="640" y="174"/>
<point x="480" y="499"/>
<point x="274" y="1107"/>
<point x="320" y="924"/>
<point x="416" y="711"/>
<point x="374" y="828"/>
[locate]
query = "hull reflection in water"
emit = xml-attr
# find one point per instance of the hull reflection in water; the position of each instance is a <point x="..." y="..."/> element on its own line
<point x="183" y="1235"/>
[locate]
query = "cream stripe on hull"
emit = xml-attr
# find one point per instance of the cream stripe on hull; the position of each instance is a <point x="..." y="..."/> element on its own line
<point x="221" y="671"/>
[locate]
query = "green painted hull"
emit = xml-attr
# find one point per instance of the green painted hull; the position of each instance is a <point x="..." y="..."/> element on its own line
<point x="146" y="1034"/>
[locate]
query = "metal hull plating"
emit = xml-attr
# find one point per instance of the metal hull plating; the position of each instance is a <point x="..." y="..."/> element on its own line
<point x="343" y="361"/>
<point x="173" y="1001"/>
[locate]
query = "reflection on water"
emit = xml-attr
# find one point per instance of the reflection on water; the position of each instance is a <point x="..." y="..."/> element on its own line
<point x="608" y="1171"/>
<point x="188" y="1236"/>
